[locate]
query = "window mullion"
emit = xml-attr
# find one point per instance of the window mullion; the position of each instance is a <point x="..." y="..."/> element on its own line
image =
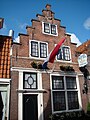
<point x="50" y="27"/>
<point x="66" y="93"/>
<point x="39" y="49"/>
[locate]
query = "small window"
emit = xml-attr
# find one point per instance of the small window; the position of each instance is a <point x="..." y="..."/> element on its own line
<point x="64" y="54"/>
<point x="43" y="50"/>
<point x="46" y="28"/>
<point x="71" y="83"/>
<point x="59" y="101"/>
<point x="30" y="81"/>
<point x="57" y="82"/>
<point x="49" y="29"/>
<point x="53" y="29"/>
<point x="34" y="49"/>
<point x="72" y="100"/>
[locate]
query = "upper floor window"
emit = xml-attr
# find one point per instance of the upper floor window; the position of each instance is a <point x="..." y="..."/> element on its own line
<point x="53" y="29"/>
<point x="38" y="49"/>
<point x="64" y="53"/>
<point x="50" y="29"/>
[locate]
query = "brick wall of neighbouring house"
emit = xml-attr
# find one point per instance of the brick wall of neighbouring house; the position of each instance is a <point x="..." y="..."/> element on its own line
<point x="14" y="96"/>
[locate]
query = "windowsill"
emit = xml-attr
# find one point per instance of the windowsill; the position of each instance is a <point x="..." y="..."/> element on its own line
<point x="50" y="34"/>
<point x="36" y="58"/>
<point x="79" y="109"/>
<point x="64" y="61"/>
<point x="31" y="90"/>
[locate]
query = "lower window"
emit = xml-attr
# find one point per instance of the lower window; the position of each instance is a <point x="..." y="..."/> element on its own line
<point x="64" y="93"/>
<point x="72" y="100"/>
<point x="59" y="101"/>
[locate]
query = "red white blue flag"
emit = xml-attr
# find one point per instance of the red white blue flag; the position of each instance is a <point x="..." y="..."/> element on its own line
<point x="53" y="53"/>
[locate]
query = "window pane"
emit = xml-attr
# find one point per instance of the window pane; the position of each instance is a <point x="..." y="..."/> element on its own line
<point x="34" y="49"/>
<point x="71" y="83"/>
<point x="66" y="53"/>
<point x="60" y="54"/>
<point x="59" y="101"/>
<point x="46" y="28"/>
<point x="53" y="29"/>
<point x="73" y="100"/>
<point x="30" y="80"/>
<point x="43" y="50"/>
<point x="57" y="82"/>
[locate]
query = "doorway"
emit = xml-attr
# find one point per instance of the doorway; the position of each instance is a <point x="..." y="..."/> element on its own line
<point x="30" y="107"/>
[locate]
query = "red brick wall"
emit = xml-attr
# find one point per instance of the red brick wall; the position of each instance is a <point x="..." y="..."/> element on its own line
<point x="14" y="96"/>
<point x="47" y="95"/>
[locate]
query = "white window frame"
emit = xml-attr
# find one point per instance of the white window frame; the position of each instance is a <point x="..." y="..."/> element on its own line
<point x="49" y="29"/>
<point x="31" y="57"/>
<point x="6" y="82"/>
<point x="62" y="60"/>
<point x="66" y="90"/>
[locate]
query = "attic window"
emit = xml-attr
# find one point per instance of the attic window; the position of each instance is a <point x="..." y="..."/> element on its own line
<point x="49" y="29"/>
<point x="46" y="28"/>
<point x="53" y="29"/>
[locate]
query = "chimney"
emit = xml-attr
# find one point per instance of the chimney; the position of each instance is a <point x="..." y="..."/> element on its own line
<point x="48" y="7"/>
<point x="1" y="22"/>
<point x="11" y="33"/>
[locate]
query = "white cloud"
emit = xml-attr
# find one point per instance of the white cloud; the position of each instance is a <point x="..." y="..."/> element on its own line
<point x="87" y="24"/>
<point x="74" y="39"/>
<point x="16" y="39"/>
<point x="4" y="26"/>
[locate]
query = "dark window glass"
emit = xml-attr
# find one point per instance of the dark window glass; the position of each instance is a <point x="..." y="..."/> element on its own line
<point x="72" y="100"/>
<point x="46" y="28"/>
<point x="59" y="101"/>
<point x="64" y="90"/>
<point x="43" y="50"/>
<point x="57" y="82"/>
<point x="53" y="29"/>
<point x="30" y="80"/>
<point x="71" y="83"/>
<point x="34" y="49"/>
<point x="64" y="54"/>
<point x="60" y="54"/>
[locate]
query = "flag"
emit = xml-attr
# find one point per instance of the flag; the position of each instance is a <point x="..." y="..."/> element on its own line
<point x="53" y="54"/>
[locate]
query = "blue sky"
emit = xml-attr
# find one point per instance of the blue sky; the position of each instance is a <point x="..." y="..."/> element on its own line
<point x="74" y="15"/>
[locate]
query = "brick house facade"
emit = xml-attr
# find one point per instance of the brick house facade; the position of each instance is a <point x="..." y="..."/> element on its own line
<point x="37" y="93"/>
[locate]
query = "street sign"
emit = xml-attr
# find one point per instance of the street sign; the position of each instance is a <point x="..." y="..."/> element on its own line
<point x="82" y="60"/>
